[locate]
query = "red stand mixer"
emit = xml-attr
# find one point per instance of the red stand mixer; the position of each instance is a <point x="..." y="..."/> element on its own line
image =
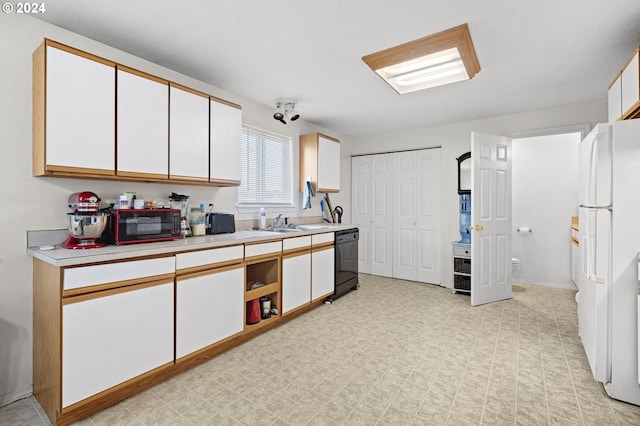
<point x="85" y="221"/>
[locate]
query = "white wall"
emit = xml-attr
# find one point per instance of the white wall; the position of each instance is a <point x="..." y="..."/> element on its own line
<point x="455" y="140"/>
<point x="545" y="196"/>
<point x="40" y="203"/>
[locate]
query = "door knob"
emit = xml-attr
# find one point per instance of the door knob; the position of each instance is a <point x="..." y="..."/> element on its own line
<point x="479" y="228"/>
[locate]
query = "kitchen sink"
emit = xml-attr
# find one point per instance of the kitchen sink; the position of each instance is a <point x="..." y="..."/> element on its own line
<point x="311" y="227"/>
<point x="297" y="228"/>
<point x="283" y="229"/>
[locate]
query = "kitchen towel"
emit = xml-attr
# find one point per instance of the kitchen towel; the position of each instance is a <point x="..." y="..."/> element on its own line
<point x="308" y="193"/>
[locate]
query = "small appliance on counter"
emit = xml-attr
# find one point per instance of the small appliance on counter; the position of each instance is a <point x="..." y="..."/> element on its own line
<point x="220" y="223"/>
<point x="85" y="221"/>
<point x="129" y="226"/>
<point x="182" y="202"/>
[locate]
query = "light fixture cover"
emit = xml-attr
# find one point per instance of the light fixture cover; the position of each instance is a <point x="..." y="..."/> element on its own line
<point x="442" y="58"/>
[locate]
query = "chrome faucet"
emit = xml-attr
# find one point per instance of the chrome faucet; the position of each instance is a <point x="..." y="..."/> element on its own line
<point x="276" y="221"/>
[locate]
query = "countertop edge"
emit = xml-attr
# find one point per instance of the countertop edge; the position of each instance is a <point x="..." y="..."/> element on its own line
<point x="64" y="257"/>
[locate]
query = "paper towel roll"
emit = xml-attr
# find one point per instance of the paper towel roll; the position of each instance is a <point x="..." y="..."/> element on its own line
<point x="524" y="230"/>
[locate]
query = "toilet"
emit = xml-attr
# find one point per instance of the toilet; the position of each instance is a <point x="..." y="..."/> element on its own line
<point x="515" y="264"/>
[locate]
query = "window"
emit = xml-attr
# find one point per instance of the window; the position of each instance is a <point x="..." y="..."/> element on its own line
<point x="266" y="169"/>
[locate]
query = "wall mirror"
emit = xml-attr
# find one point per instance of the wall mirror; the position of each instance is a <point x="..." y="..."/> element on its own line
<point x="464" y="173"/>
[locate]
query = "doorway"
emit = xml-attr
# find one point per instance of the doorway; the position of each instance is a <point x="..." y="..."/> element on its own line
<point x="545" y="197"/>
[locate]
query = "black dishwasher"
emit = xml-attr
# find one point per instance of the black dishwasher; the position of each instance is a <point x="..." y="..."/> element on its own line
<point x="346" y="262"/>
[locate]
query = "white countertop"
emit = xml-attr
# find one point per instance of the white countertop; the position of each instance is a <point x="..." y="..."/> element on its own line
<point x="60" y="256"/>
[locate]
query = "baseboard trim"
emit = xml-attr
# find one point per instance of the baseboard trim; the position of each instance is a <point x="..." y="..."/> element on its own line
<point x="566" y="286"/>
<point x="14" y="396"/>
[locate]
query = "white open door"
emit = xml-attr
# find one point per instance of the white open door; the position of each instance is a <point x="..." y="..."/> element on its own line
<point x="490" y="218"/>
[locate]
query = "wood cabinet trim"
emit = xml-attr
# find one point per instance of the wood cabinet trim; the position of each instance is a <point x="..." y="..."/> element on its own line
<point x="123" y="261"/>
<point x="47" y="337"/>
<point x="142" y="74"/>
<point x="626" y="64"/>
<point x="322" y="246"/>
<point x="225" y="182"/>
<point x="203" y="270"/>
<point x="78" y="52"/>
<point x="262" y="258"/>
<point x="328" y="138"/>
<point x="286" y="254"/>
<point x="321" y="298"/>
<point x="308" y="162"/>
<point x="188" y="89"/>
<point x="79" y="170"/>
<point x="204" y="180"/>
<point x="108" y="397"/>
<point x="268" y="288"/>
<point x="38" y="125"/>
<point x="143" y="176"/>
<point x="270" y="240"/>
<point x="619" y="75"/>
<point x="222" y="101"/>
<point x="116" y="288"/>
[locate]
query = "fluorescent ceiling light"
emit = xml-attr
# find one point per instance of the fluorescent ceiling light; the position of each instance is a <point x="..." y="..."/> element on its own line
<point x="442" y="58"/>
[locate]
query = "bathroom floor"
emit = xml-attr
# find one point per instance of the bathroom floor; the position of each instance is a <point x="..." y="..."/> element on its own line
<point x="394" y="352"/>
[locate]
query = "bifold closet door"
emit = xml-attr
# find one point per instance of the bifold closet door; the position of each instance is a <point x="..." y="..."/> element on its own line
<point x="396" y="204"/>
<point x="429" y="216"/>
<point x="404" y="216"/>
<point x="371" y="202"/>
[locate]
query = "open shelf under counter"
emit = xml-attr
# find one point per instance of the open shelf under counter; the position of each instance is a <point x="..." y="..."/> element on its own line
<point x="265" y="290"/>
<point x="262" y="323"/>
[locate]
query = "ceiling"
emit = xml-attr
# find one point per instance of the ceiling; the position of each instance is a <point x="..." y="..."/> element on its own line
<point x="533" y="54"/>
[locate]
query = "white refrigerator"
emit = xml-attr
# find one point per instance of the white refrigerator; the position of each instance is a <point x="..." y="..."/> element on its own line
<point x="609" y="212"/>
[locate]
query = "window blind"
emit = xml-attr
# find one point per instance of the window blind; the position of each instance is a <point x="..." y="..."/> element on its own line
<point x="266" y="169"/>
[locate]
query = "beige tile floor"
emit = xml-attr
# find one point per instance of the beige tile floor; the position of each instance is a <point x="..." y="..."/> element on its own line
<point x="392" y="353"/>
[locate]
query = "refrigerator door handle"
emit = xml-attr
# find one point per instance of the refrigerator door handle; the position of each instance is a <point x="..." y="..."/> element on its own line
<point x="592" y="207"/>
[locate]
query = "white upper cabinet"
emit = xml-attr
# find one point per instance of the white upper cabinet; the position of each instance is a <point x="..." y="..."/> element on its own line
<point x="615" y="99"/>
<point x="328" y="164"/>
<point x="80" y="112"/>
<point x="624" y="92"/>
<point x="95" y="118"/>
<point x="225" y="124"/>
<point x="143" y="124"/>
<point x="631" y="86"/>
<point x="188" y="134"/>
<point x="320" y="160"/>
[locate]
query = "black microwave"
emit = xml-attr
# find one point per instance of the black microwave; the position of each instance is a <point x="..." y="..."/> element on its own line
<point x="129" y="226"/>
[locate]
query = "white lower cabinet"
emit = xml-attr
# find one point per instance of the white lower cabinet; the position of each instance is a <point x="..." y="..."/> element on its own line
<point x="322" y="272"/>
<point x="209" y="308"/>
<point x="112" y="336"/>
<point x="296" y="281"/>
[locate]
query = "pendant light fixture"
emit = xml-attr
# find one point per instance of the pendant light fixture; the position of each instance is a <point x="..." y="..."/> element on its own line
<point x="435" y="60"/>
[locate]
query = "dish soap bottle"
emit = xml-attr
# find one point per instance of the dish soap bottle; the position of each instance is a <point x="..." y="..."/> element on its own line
<point x="263" y="218"/>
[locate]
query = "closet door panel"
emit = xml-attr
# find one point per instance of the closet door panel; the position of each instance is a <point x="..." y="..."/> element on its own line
<point x="404" y="215"/>
<point x="381" y="243"/>
<point x="361" y="207"/>
<point x="428" y="216"/>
